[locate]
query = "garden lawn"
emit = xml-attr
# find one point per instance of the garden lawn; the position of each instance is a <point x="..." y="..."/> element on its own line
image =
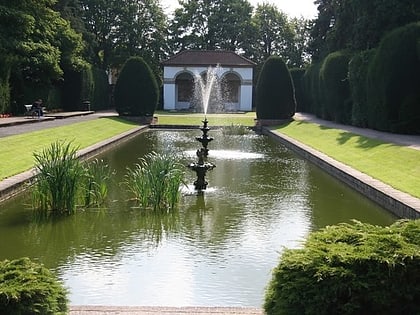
<point x="394" y="165"/>
<point x="16" y="155"/>
<point x="245" y="119"/>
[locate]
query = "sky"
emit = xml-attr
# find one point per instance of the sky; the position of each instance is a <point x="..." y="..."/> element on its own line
<point x="293" y="8"/>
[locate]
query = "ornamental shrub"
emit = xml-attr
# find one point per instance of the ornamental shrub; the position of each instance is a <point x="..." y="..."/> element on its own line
<point x="393" y="81"/>
<point x="350" y="269"/>
<point x="335" y="87"/>
<point x="275" y="92"/>
<point x="136" y="91"/>
<point x="358" y="68"/>
<point x="312" y="89"/>
<point x="29" y="288"/>
<point x="297" y="77"/>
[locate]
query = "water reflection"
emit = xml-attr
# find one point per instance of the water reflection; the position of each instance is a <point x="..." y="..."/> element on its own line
<point x="217" y="248"/>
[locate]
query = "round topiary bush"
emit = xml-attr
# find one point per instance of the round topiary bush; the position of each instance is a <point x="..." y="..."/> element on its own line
<point x="275" y="92"/>
<point x="136" y="91"/>
<point x="350" y="269"/>
<point x="29" y="288"/>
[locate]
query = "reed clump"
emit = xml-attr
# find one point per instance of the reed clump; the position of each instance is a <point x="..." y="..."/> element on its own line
<point x="63" y="182"/>
<point x="155" y="181"/>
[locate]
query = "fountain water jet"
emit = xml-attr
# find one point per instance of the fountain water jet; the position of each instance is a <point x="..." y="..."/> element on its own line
<point x="204" y="90"/>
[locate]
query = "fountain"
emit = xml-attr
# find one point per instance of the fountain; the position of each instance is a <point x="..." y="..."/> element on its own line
<point x="203" y="91"/>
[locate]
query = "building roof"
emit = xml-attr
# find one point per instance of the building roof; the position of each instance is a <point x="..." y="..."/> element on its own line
<point x="208" y="58"/>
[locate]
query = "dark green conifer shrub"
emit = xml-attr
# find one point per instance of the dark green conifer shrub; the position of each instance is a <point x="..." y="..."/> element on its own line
<point x="136" y="91"/>
<point x="312" y="89"/>
<point x="394" y="81"/>
<point x="358" y="68"/>
<point x="100" y="97"/>
<point x="275" y="92"/>
<point x="297" y="78"/>
<point x="335" y="87"/>
<point x="350" y="269"/>
<point x="29" y="288"/>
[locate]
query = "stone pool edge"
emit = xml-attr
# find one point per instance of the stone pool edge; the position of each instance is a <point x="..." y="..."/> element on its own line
<point x="397" y="202"/>
<point x="11" y="186"/>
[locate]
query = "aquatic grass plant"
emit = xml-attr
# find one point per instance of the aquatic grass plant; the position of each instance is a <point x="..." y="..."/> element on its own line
<point x="235" y="129"/>
<point x="155" y="181"/>
<point x="95" y="183"/>
<point x="60" y="174"/>
<point x="63" y="182"/>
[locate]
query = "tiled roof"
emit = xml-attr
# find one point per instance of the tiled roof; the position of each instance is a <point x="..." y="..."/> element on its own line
<point x="208" y="58"/>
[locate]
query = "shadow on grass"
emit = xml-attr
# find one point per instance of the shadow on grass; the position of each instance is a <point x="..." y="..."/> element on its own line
<point x="362" y="142"/>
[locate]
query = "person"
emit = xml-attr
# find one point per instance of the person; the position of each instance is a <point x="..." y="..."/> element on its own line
<point x="37" y="107"/>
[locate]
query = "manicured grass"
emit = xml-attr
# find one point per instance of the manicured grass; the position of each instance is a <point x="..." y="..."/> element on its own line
<point x="395" y="165"/>
<point x="17" y="151"/>
<point x="245" y="119"/>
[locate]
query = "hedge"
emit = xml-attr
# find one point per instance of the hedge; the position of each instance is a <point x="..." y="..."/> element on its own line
<point x="335" y="87"/>
<point x="350" y="269"/>
<point x="136" y="91"/>
<point x="393" y="82"/>
<point x="29" y="288"/>
<point x="274" y="91"/>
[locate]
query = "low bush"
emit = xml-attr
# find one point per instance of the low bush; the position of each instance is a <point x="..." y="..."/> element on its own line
<point x="350" y="269"/>
<point x="29" y="288"/>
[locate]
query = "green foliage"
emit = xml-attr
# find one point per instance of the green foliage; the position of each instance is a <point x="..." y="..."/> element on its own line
<point x="136" y="91"/>
<point x="350" y="269"/>
<point x="274" y="92"/>
<point x="358" y="69"/>
<point x="393" y="81"/>
<point x="155" y="181"/>
<point x="335" y="87"/>
<point x="4" y="94"/>
<point x="100" y="98"/>
<point x="29" y="288"/>
<point x="312" y="89"/>
<point x="95" y="183"/>
<point x="297" y="78"/>
<point x="235" y="130"/>
<point x="59" y="176"/>
<point x="63" y="182"/>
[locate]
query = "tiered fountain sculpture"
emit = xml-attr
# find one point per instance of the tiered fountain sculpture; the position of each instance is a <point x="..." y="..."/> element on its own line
<point x="204" y="90"/>
<point x="202" y="166"/>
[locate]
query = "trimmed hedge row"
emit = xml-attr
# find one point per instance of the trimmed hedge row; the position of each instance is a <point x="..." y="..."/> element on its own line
<point x="377" y="88"/>
<point x="29" y="288"/>
<point x="350" y="269"/>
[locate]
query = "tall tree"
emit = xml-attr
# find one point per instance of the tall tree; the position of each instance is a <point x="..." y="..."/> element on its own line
<point x="275" y="34"/>
<point x="218" y="24"/>
<point x="358" y="24"/>
<point x="35" y="41"/>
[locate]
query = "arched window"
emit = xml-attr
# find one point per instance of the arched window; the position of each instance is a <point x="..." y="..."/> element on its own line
<point x="185" y="87"/>
<point x="231" y="86"/>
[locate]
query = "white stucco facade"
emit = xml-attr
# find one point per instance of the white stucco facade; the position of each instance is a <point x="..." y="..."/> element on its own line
<point x="240" y="79"/>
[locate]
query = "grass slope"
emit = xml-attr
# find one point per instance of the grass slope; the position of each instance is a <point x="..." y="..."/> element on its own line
<point x="395" y="165"/>
<point x="17" y="151"/>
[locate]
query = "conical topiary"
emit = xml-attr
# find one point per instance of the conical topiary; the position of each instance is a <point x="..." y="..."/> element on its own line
<point x="275" y="92"/>
<point x="136" y="91"/>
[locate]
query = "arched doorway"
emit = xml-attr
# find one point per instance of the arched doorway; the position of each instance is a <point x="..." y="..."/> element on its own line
<point x="231" y="89"/>
<point x="184" y="90"/>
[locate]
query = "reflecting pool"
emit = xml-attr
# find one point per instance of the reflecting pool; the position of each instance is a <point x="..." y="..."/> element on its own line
<point x="216" y="249"/>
